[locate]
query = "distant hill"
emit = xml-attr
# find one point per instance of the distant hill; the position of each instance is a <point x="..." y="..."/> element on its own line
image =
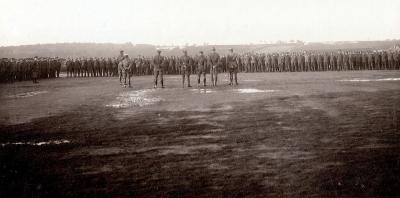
<point x="112" y="50"/>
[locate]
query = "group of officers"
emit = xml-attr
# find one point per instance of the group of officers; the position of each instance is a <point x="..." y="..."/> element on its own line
<point x="12" y="70"/>
<point x="200" y="64"/>
<point x="22" y="69"/>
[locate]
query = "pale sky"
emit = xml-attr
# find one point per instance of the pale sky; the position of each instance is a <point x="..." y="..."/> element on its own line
<point x="177" y="22"/>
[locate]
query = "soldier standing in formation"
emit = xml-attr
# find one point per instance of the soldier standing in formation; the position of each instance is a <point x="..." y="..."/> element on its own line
<point x="119" y="59"/>
<point x="158" y="70"/>
<point x="125" y="66"/>
<point x="201" y="68"/>
<point x="231" y="60"/>
<point x="214" y="62"/>
<point x="186" y="68"/>
<point x="35" y="71"/>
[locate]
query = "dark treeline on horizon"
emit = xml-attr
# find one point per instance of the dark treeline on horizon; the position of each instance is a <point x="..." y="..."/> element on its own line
<point x="74" y="50"/>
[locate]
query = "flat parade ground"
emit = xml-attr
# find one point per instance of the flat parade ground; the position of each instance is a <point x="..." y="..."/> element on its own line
<point x="315" y="134"/>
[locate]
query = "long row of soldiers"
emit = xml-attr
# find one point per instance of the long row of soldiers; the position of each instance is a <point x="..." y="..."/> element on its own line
<point x="12" y="70"/>
<point x="21" y="69"/>
<point x="314" y="61"/>
<point x="249" y="62"/>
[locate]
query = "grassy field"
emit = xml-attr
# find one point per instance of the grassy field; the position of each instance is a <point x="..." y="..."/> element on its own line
<point x="316" y="134"/>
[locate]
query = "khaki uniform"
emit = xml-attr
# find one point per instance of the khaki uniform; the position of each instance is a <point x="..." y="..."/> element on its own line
<point x="186" y="67"/>
<point x="232" y="67"/>
<point x="158" y="69"/>
<point x="201" y="68"/>
<point x="213" y="60"/>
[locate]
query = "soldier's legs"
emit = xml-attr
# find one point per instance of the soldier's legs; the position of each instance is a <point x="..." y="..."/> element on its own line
<point x="230" y="77"/>
<point x="188" y="78"/>
<point x="235" y="72"/>
<point x="212" y="76"/>
<point x="198" y="77"/>
<point x="120" y="76"/>
<point x="215" y="77"/>
<point x="162" y="78"/>
<point x="156" y="73"/>
<point x="376" y="65"/>
<point x="124" y="74"/>
<point x="204" y="78"/>
<point x="183" y="73"/>
<point x="129" y="79"/>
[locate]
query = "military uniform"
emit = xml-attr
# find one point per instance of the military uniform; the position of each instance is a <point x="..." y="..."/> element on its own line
<point x="214" y="62"/>
<point x="231" y="60"/>
<point x="186" y="68"/>
<point x="377" y="61"/>
<point x="201" y="68"/>
<point x="125" y="66"/>
<point x="157" y="69"/>
<point x="35" y="71"/>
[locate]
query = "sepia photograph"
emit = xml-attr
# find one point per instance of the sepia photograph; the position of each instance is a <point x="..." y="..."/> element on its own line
<point x="199" y="98"/>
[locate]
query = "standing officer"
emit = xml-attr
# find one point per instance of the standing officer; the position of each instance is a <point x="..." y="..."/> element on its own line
<point x="384" y="60"/>
<point x="364" y="60"/>
<point x="377" y="59"/>
<point x="340" y="61"/>
<point x="186" y="67"/>
<point x="158" y="70"/>
<point x="91" y="67"/>
<point x="109" y="67"/>
<point x="213" y="60"/>
<point x="119" y="59"/>
<point x="35" y="70"/>
<point x="201" y="68"/>
<point x="332" y="61"/>
<point x="171" y="65"/>
<point x="307" y="61"/>
<point x="346" y="61"/>
<point x="126" y="70"/>
<point x="326" y="62"/>
<point x="247" y="63"/>
<point x="390" y="60"/>
<point x="232" y="66"/>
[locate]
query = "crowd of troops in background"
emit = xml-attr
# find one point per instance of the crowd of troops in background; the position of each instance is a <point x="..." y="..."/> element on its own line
<point x="12" y="70"/>
<point x="249" y="62"/>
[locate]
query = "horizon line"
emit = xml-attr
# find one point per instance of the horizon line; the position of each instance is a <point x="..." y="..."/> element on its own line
<point x="206" y="44"/>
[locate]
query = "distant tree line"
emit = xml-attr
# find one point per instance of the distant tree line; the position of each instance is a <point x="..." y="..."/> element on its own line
<point x="75" y="50"/>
